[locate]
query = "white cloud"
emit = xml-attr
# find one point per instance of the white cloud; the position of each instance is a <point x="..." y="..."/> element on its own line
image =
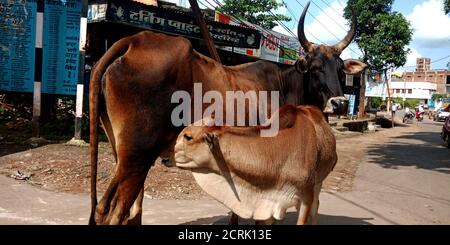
<point x="411" y="60"/>
<point x="281" y="30"/>
<point x="412" y="57"/>
<point x="431" y="26"/>
<point x="329" y="26"/>
<point x="280" y="10"/>
<point x="208" y="4"/>
<point x="351" y="52"/>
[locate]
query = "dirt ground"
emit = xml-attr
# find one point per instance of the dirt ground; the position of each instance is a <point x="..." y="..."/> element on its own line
<point x="64" y="168"/>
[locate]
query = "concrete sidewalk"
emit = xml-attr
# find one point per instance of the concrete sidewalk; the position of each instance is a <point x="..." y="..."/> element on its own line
<point x="22" y="203"/>
<point x="403" y="178"/>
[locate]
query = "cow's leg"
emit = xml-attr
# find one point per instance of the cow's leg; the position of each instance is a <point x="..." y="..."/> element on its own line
<point x="315" y="205"/>
<point x="234" y="219"/>
<point x="104" y="205"/>
<point x="108" y="199"/>
<point x="135" y="217"/>
<point x="131" y="173"/>
<point x="305" y="205"/>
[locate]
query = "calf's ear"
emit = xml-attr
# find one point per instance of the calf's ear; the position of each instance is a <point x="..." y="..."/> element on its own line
<point x="352" y="66"/>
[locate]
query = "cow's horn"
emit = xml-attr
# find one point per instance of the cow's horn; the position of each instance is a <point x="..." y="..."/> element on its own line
<point x="301" y="30"/>
<point x="339" y="47"/>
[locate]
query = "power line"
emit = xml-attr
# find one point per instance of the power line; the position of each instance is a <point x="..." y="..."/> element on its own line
<point x="329" y="4"/>
<point x="293" y="16"/>
<point x="331" y="7"/>
<point x="288" y="29"/>
<point x="202" y="4"/>
<point x="440" y="59"/>
<point x="262" y="29"/>
<point x="341" y="3"/>
<point x="329" y="16"/>
<point x="318" y="21"/>
<point x="435" y="61"/>
<point x="280" y="23"/>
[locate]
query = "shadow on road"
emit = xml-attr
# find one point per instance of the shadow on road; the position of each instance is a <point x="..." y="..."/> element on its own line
<point x="7" y="148"/>
<point x="291" y="219"/>
<point x="424" y="150"/>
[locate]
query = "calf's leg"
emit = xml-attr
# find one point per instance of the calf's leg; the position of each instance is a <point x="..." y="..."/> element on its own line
<point x="315" y="205"/>
<point x="305" y="205"/>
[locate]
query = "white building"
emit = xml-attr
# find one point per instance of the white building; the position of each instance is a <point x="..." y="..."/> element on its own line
<point x="413" y="90"/>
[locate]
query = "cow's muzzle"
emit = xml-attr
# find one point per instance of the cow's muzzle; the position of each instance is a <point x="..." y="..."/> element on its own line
<point x="337" y="106"/>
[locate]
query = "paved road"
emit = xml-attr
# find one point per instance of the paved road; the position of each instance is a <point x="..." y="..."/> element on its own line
<point x="404" y="178"/>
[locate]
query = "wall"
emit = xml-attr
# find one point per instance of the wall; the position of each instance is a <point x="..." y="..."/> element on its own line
<point x="434" y="76"/>
<point x="414" y="90"/>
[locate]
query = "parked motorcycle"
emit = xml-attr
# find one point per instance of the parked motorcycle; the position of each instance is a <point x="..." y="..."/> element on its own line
<point x="419" y="116"/>
<point x="445" y="134"/>
<point x="408" y="117"/>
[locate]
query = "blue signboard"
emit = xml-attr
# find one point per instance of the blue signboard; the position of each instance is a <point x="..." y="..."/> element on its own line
<point x="17" y="45"/>
<point x="61" y="46"/>
<point x="351" y="103"/>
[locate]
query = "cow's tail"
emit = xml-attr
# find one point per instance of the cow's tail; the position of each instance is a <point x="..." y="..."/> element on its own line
<point x="113" y="53"/>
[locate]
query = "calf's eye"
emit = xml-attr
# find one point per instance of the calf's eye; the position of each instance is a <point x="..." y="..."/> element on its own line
<point x="187" y="137"/>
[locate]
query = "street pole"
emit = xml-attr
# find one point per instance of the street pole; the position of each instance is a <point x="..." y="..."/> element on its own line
<point x="37" y="91"/>
<point x="389" y="97"/>
<point x="404" y="94"/>
<point x="81" y="63"/>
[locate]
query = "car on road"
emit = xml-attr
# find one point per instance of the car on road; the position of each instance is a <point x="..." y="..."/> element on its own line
<point x="445" y="134"/>
<point x="441" y="115"/>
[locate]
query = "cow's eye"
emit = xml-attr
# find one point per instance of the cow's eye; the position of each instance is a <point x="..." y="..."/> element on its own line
<point x="187" y="137"/>
<point x="317" y="70"/>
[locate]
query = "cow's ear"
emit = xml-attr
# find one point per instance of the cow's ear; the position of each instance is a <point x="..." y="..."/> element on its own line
<point x="301" y="65"/>
<point x="210" y="139"/>
<point x="352" y="66"/>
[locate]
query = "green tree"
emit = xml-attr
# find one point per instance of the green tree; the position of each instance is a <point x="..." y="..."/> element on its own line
<point x="382" y="35"/>
<point x="254" y="11"/>
<point x="437" y="97"/>
<point x="447" y="6"/>
<point x="376" y="102"/>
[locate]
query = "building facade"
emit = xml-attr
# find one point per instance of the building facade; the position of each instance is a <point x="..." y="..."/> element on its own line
<point x="422" y="91"/>
<point x="424" y="74"/>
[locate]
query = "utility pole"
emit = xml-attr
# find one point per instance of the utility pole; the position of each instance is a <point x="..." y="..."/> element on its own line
<point x="37" y="92"/>
<point x="404" y="92"/>
<point x="80" y="83"/>
<point x="389" y="100"/>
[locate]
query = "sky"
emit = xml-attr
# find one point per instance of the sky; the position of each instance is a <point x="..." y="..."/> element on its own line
<point x="325" y="24"/>
<point x="431" y="27"/>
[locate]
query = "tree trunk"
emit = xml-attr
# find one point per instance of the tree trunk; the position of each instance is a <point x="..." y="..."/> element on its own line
<point x="362" y="96"/>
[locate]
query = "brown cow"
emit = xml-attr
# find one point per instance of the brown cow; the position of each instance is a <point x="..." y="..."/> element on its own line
<point x="260" y="178"/>
<point x="131" y="88"/>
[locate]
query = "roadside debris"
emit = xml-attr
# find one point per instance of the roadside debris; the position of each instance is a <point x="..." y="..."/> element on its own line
<point x="21" y="176"/>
